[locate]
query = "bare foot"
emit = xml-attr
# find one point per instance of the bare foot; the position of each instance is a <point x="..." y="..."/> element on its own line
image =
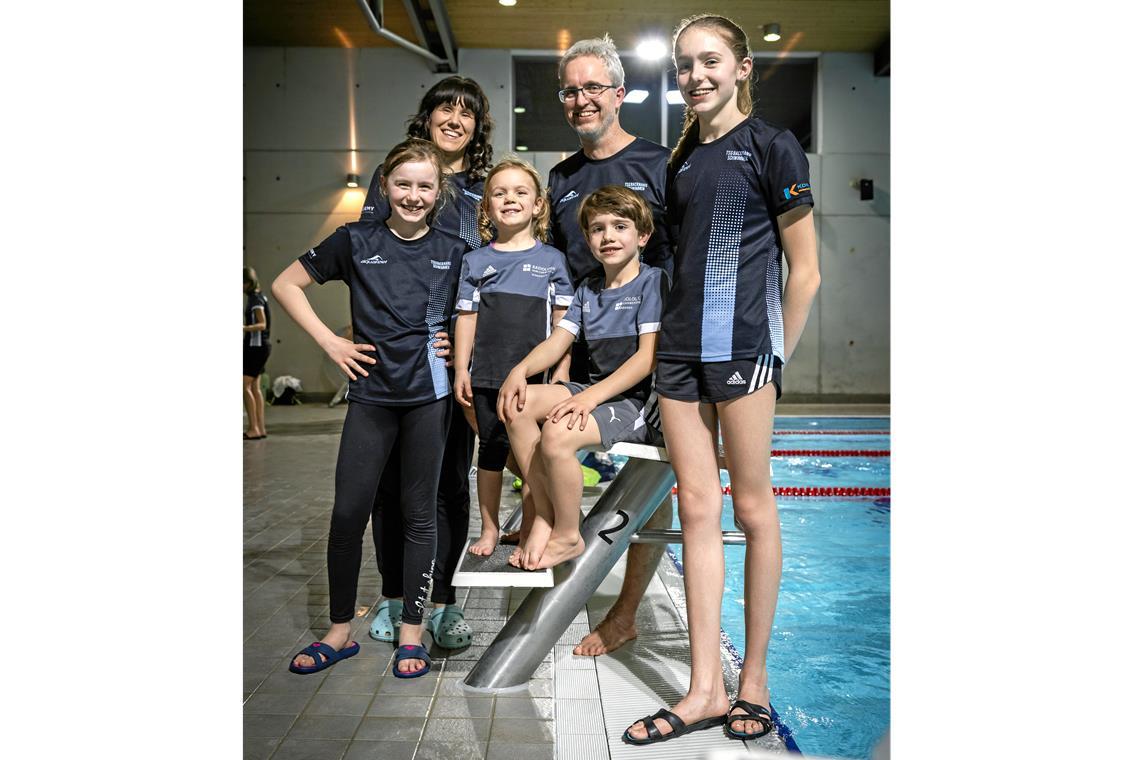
<point x="411" y="634"/>
<point x="485" y="546"/>
<point x="690" y="709"/>
<point x="534" y="545"/>
<point x="607" y="637"/>
<point x="515" y="560"/>
<point x="757" y="696"/>
<point x="558" y="552"/>
<point x="511" y="538"/>
<point x="337" y="638"/>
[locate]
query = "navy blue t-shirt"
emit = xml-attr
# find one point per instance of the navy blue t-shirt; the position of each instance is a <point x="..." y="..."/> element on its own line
<point x="640" y="166"/>
<point x="613" y="320"/>
<point x="256" y="300"/>
<point x="513" y="293"/>
<point x="459" y="216"/>
<point x="402" y="292"/>
<point x="723" y="201"/>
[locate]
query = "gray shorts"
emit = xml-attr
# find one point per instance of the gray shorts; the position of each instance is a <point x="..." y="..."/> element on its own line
<point x="624" y="420"/>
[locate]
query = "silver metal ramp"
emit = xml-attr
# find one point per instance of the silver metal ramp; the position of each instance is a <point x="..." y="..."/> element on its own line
<point x="546" y="613"/>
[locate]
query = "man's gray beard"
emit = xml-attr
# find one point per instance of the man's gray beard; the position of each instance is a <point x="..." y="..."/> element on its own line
<point x="593" y="135"/>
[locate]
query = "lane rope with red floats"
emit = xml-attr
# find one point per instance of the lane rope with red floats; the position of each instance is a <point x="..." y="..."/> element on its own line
<point x="817" y="491"/>
<point x="831" y="453"/>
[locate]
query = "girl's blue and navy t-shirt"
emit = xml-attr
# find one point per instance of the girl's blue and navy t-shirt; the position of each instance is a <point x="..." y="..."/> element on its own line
<point x="459" y="216"/>
<point x="513" y="293"/>
<point x="613" y="320"/>
<point x="256" y="301"/>
<point x="723" y="201"/>
<point x="640" y="166"/>
<point x="402" y="293"/>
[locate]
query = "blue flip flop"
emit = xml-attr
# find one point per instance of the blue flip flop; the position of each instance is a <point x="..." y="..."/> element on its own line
<point x="411" y="652"/>
<point x="387" y="620"/>
<point x="318" y="648"/>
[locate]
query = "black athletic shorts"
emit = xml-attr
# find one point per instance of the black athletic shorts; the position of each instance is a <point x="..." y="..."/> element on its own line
<point x="253" y="360"/>
<point x="710" y="382"/>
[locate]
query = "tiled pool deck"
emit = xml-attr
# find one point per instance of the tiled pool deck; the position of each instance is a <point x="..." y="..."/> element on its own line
<point x="573" y="707"/>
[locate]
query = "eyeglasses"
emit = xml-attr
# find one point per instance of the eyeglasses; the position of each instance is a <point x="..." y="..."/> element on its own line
<point x="593" y="90"/>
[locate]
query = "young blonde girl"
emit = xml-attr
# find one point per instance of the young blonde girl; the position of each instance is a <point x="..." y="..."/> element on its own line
<point x="738" y="191"/>
<point x="511" y="292"/>
<point x="402" y="278"/>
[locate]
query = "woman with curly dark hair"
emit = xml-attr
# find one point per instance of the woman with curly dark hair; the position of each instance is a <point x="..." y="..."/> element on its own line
<point x="454" y="114"/>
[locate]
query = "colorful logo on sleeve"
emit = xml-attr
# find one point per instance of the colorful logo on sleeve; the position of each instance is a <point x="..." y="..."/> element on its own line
<point x="797" y="190"/>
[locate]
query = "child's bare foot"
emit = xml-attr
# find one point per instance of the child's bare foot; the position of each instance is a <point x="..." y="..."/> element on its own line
<point x="515" y="560"/>
<point x="607" y="637"/>
<point x="337" y="638"/>
<point x="558" y="551"/>
<point x="534" y="545"/>
<point x="485" y="546"/>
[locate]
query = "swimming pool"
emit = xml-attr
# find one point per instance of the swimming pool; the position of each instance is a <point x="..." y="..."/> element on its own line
<point x="829" y="656"/>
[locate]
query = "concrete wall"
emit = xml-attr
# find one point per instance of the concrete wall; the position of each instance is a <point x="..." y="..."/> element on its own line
<point x="313" y="115"/>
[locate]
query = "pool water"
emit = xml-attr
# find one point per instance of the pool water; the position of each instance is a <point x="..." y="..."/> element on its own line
<point x="829" y="656"/>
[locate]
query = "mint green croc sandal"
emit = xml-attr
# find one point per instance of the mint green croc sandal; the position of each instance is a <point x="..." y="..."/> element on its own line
<point x="448" y="627"/>
<point x="387" y="620"/>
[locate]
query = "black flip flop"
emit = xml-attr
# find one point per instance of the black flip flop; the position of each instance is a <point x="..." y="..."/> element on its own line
<point x="680" y="728"/>
<point x="751" y="712"/>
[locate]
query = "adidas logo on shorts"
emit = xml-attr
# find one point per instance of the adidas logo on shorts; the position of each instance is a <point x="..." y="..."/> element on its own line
<point x="736" y="379"/>
<point x="490" y="270"/>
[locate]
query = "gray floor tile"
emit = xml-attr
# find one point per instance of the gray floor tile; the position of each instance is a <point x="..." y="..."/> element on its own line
<point x="458" y="729"/>
<point x="439" y="750"/>
<point x="500" y="751"/>
<point x="359" y="750"/>
<point x="389" y="729"/>
<point x="276" y="704"/>
<point x="395" y="706"/>
<point x="268" y="726"/>
<point x="310" y="749"/>
<point x="524" y="707"/>
<point x="424" y="686"/>
<point x="338" y="704"/>
<point x="352" y="684"/>
<point x="462" y="707"/>
<point x="258" y="747"/>
<point x="522" y="730"/>
<point x="324" y="727"/>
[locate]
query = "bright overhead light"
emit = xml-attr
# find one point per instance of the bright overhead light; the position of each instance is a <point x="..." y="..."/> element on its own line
<point x="521" y="147"/>
<point x="352" y="180"/>
<point x="520" y="109"/>
<point x="652" y="50"/>
<point x="636" y="96"/>
<point x="673" y="98"/>
<point x="507" y="2"/>
<point x="771" y="32"/>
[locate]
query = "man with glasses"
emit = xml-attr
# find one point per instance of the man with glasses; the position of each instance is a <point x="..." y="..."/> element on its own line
<point x="592" y="90"/>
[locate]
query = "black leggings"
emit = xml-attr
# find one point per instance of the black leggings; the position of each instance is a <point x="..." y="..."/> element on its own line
<point x="371" y="434"/>
<point x="452" y="514"/>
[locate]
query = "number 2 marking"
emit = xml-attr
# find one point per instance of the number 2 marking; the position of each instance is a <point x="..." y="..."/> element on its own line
<point x="602" y="534"/>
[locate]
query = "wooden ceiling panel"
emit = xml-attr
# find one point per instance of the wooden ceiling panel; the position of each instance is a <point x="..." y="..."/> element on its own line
<point x="809" y="25"/>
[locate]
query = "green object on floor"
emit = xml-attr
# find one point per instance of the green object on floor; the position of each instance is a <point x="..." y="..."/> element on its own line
<point x="516" y="484"/>
<point x="590" y="476"/>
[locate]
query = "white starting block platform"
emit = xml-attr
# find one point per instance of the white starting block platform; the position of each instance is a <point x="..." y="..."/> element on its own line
<point x="493" y="571"/>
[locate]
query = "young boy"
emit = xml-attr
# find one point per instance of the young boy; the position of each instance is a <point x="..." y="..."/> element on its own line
<point x="619" y="315"/>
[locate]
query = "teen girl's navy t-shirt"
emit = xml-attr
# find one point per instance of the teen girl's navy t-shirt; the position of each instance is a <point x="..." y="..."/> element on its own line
<point x="723" y="201"/>
<point x="459" y="216"/>
<point x="640" y="166"/>
<point x="513" y="293"/>
<point x="402" y="292"/>
<point x="612" y="321"/>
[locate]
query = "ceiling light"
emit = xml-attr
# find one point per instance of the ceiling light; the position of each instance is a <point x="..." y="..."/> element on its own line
<point x="507" y="2"/>
<point x="520" y="109"/>
<point x="771" y="32"/>
<point x="636" y="96"/>
<point x="353" y="180"/>
<point x="652" y="50"/>
<point x="521" y="147"/>
<point x="673" y="98"/>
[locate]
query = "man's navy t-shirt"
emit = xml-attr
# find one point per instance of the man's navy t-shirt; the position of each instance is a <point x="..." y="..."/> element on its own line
<point x="640" y="166"/>
<point x="402" y="292"/>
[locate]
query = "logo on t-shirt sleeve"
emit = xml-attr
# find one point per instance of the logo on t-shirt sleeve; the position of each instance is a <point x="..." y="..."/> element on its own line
<point x="794" y="191"/>
<point x="568" y="197"/>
